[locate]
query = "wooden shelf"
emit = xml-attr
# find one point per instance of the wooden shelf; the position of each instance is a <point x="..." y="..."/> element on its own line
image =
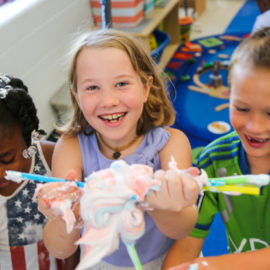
<point x="167" y="55"/>
<point x="165" y="15"/>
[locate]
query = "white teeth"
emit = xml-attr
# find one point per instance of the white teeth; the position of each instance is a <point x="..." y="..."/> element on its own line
<point x="113" y="117"/>
<point x="257" y="140"/>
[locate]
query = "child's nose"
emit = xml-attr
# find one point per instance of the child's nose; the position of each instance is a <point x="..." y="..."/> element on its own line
<point x="110" y="98"/>
<point x="2" y="173"/>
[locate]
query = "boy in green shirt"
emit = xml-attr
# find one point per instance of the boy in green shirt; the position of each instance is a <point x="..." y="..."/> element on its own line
<point x="245" y="151"/>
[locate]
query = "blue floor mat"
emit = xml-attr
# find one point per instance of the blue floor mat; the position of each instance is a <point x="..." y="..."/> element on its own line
<point x="200" y="109"/>
<point x="243" y="21"/>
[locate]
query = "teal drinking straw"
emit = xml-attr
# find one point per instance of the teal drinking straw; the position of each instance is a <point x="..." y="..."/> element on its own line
<point x="132" y="252"/>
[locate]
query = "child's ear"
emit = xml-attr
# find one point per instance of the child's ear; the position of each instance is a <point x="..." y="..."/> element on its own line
<point x="75" y="95"/>
<point x="147" y="87"/>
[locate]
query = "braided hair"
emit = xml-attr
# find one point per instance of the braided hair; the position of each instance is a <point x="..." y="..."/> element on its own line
<point x="17" y="107"/>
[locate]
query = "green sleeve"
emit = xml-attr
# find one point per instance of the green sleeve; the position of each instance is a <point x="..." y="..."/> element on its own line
<point x="208" y="206"/>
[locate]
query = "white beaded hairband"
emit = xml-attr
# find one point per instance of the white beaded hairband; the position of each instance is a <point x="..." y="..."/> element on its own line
<point x="32" y="149"/>
<point x="4" y="85"/>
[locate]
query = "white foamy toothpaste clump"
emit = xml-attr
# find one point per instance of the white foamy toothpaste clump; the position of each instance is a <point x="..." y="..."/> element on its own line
<point x="110" y="209"/>
<point x="196" y="266"/>
<point x="200" y="176"/>
<point x="14" y="176"/>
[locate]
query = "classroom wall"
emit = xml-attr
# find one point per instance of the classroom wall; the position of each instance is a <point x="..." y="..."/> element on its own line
<point x="33" y="45"/>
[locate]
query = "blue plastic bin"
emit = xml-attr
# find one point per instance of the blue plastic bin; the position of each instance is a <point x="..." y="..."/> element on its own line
<point x="163" y="40"/>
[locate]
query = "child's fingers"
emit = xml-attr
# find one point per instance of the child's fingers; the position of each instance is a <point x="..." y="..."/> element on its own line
<point x="43" y="200"/>
<point x="183" y="189"/>
<point x="65" y="190"/>
<point x="191" y="189"/>
<point x="175" y="187"/>
<point x="176" y="192"/>
<point x="48" y="188"/>
<point x="49" y="193"/>
<point x="154" y="198"/>
<point x="194" y="171"/>
<point x="170" y="196"/>
<point x="160" y="174"/>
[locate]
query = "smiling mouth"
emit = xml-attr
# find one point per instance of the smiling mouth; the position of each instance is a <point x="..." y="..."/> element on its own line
<point x="256" y="140"/>
<point x="4" y="183"/>
<point x="113" y="117"/>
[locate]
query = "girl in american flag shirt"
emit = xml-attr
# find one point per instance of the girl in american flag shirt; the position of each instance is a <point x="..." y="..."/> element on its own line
<point x="21" y="224"/>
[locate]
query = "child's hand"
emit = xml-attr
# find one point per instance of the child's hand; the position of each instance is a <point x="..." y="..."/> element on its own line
<point x="60" y="200"/>
<point x="49" y="193"/>
<point x="176" y="193"/>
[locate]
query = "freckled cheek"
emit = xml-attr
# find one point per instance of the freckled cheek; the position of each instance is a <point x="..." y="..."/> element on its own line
<point x="135" y="102"/>
<point x="237" y="121"/>
<point x="234" y="119"/>
<point x="86" y="105"/>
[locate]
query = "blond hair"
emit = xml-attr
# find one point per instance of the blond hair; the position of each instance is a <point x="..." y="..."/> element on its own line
<point x="157" y="111"/>
<point x="253" y="52"/>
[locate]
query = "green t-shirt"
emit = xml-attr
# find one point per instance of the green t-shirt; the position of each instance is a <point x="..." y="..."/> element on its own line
<point x="246" y="217"/>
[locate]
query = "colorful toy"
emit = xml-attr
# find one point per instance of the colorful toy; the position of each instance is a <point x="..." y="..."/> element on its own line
<point x="152" y="42"/>
<point x="185" y="27"/>
<point x="211" y="42"/>
<point x="215" y="77"/>
<point x="215" y="87"/>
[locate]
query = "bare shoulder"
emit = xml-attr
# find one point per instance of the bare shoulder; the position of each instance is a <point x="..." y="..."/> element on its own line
<point x="177" y="134"/>
<point x="67" y="145"/>
<point x="67" y="156"/>
<point x="178" y="146"/>
<point x="177" y="139"/>
<point x="47" y="149"/>
<point x="67" y="142"/>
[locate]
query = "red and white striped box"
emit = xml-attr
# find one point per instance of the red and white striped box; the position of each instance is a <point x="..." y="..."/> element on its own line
<point x="124" y="13"/>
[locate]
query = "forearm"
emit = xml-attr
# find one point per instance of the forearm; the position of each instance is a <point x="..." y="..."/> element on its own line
<point x="258" y="259"/>
<point x="182" y="251"/>
<point x="176" y="225"/>
<point x="59" y="243"/>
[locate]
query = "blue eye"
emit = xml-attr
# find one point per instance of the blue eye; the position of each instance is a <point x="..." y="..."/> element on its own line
<point x="122" y="84"/>
<point x="92" y="87"/>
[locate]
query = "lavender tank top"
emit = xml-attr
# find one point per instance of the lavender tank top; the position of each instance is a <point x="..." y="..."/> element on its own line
<point x="153" y="243"/>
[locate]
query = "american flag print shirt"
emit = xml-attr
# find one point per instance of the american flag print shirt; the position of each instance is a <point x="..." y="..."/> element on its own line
<point x="21" y="226"/>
